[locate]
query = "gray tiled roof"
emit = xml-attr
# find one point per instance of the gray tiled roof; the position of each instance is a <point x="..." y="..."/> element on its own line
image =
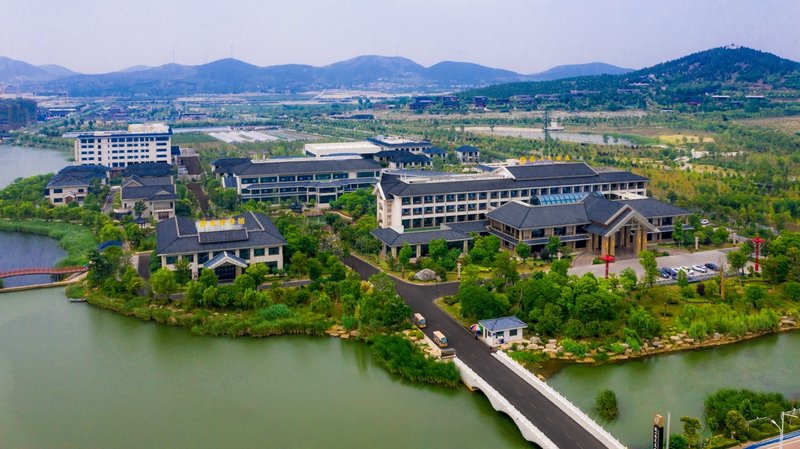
<point x="652" y="208"/>
<point x="178" y="235"/>
<point x="67" y="181"/>
<point x="434" y="150"/>
<point x="474" y="184"/>
<point x="502" y="324"/>
<point x="150" y="193"/>
<point x="599" y="209"/>
<point x="149" y="180"/>
<point x="522" y="216"/>
<point x="148" y="169"/>
<point x="392" y="238"/>
<point x="549" y="171"/>
<point x="319" y="165"/>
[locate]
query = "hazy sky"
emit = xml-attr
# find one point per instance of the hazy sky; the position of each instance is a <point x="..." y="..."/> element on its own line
<point x="96" y="36"/>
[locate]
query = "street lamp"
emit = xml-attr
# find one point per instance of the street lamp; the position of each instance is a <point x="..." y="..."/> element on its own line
<point x="608" y="258"/>
<point x="758" y="241"/>
<point x="780" y="429"/>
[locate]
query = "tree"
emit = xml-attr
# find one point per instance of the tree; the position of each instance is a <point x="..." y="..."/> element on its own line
<point x="647" y="259"/>
<point x="183" y="273"/>
<point x="560" y="267"/>
<point x="553" y="245"/>
<point x="208" y="278"/>
<point x="628" y="279"/>
<point x="605" y="404"/>
<point x="523" y="251"/>
<point x="298" y="264"/>
<point x="110" y="232"/>
<point x="315" y="268"/>
<point x="138" y="208"/>
<point x="258" y="271"/>
<point x="131" y="281"/>
<point x="163" y="282"/>
<point x="505" y="269"/>
<point x="736" y="425"/>
<point x="691" y="430"/>
<point x="738" y="259"/>
<point x="678" y="441"/>
<point x="682" y="278"/>
<point x="134" y="234"/>
<point x="404" y="256"/>
<point x="755" y="295"/>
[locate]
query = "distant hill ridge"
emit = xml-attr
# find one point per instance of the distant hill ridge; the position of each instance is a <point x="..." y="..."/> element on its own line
<point x="232" y="76"/>
<point x="715" y="70"/>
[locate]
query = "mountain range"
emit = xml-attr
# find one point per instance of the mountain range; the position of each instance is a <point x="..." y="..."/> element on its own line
<point x="689" y="79"/>
<point x="234" y="76"/>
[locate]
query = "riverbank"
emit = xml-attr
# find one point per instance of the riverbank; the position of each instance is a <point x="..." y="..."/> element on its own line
<point x="76" y="240"/>
<point x="546" y="364"/>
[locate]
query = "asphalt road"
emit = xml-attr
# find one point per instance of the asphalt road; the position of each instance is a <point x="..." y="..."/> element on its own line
<point x="546" y="416"/>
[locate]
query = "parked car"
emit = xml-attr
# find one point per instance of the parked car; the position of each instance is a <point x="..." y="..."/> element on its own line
<point x="686" y="270"/>
<point x="704" y="222"/>
<point x="439" y="339"/>
<point x="664" y="273"/>
<point x="700" y="268"/>
<point x="712" y="266"/>
<point x="672" y="272"/>
<point x="419" y="321"/>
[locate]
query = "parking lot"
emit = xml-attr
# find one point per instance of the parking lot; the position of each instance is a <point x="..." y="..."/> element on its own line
<point x="678" y="260"/>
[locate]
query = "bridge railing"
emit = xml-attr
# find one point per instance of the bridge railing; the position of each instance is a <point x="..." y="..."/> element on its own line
<point x="563" y="403"/>
<point x="500" y="403"/>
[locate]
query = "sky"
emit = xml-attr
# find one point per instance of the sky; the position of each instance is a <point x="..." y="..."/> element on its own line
<point x="526" y="36"/>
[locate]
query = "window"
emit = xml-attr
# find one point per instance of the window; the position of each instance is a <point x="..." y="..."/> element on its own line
<point x="439" y="198"/>
<point x="274" y="250"/>
<point x="287" y="178"/>
<point x="249" y="180"/>
<point x="258" y="252"/>
<point x="451" y="197"/>
<point x="406" y="211"/>
<point x="171" y="260"/>
<point x="482" y="195"/>
<point x="461" y="197"/>
<point x="244" y="254"/>
<point x="406" y="201"/>
<point x="340" y="176"/>
<point x="58" y="190"/>
<point x="305" y="177"/>
<point x="513" y="332"/>
<point x="323" y="176"/>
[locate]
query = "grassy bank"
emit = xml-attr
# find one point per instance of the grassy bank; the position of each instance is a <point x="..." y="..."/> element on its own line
<point x="206" y="322"/>
<point x="76" y="240"/>
<point x="400" y="356"/>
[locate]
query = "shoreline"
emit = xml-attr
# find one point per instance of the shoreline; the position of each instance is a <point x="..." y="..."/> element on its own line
<point x="551" y="366"/>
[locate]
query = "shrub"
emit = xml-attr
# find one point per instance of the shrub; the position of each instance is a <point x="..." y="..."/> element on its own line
<point x="402" y="357"/>
<point x="605" y="404"/>
<point x="577" y="348"/>
<point x="275" y="312"/>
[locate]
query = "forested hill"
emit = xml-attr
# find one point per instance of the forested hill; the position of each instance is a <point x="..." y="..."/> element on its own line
<point x="692" y="78"/>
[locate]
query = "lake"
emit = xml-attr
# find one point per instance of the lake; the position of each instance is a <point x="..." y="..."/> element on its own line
<point x="21" y="162"/>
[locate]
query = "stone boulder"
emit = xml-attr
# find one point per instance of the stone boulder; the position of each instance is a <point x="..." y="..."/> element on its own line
<point x="426" y="275"/>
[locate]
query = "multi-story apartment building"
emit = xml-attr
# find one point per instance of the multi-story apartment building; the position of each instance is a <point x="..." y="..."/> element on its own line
<point x="227" y="246"/>
<point x="442" y="205"/>
<point x="319" y="180"/>
<point x="140" y="143"/>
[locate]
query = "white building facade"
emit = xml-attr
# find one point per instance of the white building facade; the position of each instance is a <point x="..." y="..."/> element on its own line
<point x="140" y="143"/>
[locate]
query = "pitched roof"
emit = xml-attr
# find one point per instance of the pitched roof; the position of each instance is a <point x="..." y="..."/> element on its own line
<point x="403" y="157"/>
<point x="393" y="238"/>
<point x="179" y="235"/>
<point x="467" y="149"/>
<point x="491" y="181"/>
<point x="434" y="150"/>
<point x="502" y="324"/>
<point x="67" y="181"/>
<point x="522" y="216"/>
<point x="652" y="208"/>
<point x="149" y="193"/>
<point x="223" y="258"/>
<point x="148" y="169"/>
<point x="137" y="181"/>
<point x="550" y="171"/>
<point x="317" y="165"/>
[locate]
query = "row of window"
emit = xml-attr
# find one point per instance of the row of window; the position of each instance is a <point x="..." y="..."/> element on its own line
<point x="293" y="178"/>
<point x="425" y="199"/>
<point x="244" y="253"/>
<point x="429" y="222"/>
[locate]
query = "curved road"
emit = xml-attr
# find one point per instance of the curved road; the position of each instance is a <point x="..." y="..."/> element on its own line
<point x="546" y="416"/>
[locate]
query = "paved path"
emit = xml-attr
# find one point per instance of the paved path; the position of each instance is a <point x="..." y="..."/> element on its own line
<point x="546" y="416"/>
<point x="201" y="195"/>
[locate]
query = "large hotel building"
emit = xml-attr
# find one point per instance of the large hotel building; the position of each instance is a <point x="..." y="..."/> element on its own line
<point x="140" y="143"/>
<point x="604" y="210"/>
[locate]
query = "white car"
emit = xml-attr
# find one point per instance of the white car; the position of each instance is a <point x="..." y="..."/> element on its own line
<point x="700" y="268"/>
<point x="686" y="270"/>
<point x="704" y="222"/>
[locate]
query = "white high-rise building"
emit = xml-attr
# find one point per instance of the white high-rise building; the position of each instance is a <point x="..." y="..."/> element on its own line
<point x="140" y="143"/>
